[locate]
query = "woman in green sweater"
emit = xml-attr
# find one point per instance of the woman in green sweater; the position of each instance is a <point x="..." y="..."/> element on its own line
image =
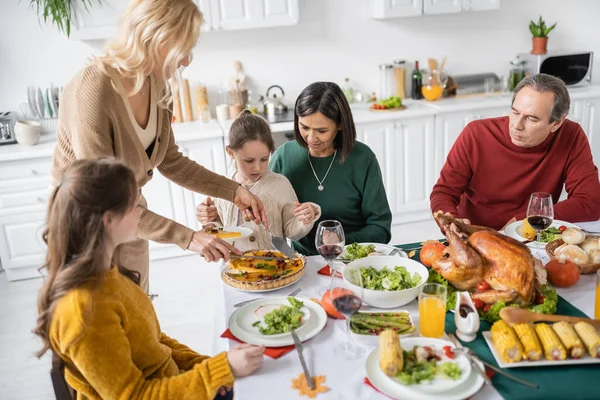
<point x="327" y="166"/>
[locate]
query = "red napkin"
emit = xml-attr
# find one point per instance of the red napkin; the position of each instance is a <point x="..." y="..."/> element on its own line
<point x="273" y="352"/>
<point x="326" y="270"/>
<point x="488" y="372"/>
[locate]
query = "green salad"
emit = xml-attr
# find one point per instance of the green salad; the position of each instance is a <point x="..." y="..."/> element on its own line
<point x="356" y="251"/>
<point x="550" y="234"/>
<point x="546" y="301"/>
<point x="282" y="319"/>
<point x="388" y="280"/>
<point x="417" y="370"/>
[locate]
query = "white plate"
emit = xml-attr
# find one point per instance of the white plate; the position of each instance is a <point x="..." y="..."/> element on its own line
<point x="373" y="340"/>
<point x="244" y="231"/>
<point x="381" y="248"/>
<point x="586" y="359"/>
<point x="514" y="231"/>
<point x="246" y="316"/>
<point x="470" y="385"/>
<point x="317" y="322"/>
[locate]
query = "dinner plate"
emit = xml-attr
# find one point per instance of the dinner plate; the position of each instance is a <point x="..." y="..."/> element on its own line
<point x="586" y="359"/>
<point x="515" y="231"/>
<point x="246" y="318"/>
<point x="468" y="387"/>
<point x="316" y="323"/>
<point x="385" y="249"/>
<point x="243" y="230"/>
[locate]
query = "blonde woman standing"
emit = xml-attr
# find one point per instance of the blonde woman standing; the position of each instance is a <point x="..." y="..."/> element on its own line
<point x="119" y="106"/>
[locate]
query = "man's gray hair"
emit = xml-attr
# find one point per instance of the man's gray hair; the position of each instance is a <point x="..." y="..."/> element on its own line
<point x="548" y="83"/>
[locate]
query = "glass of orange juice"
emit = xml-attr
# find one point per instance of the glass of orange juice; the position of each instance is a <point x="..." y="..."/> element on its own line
<point x="432" y="310"/>
<point x="597" y="310"/>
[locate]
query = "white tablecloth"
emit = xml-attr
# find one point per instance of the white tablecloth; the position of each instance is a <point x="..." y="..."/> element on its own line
<point x="345" y="378"/>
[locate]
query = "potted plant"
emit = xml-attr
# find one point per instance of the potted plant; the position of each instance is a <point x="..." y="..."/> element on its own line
<point x="60" y="12"/>
<point x="540" y="33"/>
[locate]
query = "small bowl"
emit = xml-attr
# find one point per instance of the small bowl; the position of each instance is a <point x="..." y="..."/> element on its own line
<point x="381" y="298"/>
<point x="27" y="133"/>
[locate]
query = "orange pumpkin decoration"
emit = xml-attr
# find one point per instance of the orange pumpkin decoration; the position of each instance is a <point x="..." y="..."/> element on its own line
<point x="431" y="250"/>
<point x="327" y="301"/>
<point x="563" y="274"/>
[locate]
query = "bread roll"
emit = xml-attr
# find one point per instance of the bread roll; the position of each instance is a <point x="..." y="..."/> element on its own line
<point x="573" y="236"/>
<point x="594" y="256"/>
<point x="572" y="253"/>
<point x="590" y="244"/>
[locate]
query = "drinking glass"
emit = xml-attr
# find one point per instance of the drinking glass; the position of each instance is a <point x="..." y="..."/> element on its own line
<point x="489" y="85"/>
<point x="597" y="310"/>
<point x="540" y="212"/>
<point x="329" y="242"/>
<point x="347" y="302"/>
<point x="432" y="310"/>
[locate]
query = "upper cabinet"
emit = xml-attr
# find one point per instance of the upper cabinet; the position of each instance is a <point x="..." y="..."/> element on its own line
<point x="382" y="9"/>
<point x="100" y="21"/>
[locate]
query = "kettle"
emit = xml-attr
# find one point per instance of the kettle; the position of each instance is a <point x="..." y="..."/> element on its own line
<point x="274" y="104"/>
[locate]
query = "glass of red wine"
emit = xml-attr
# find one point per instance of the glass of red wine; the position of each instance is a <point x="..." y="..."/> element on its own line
<point x="347" y="302"/>
<point x="540" y="212"/>
<point x="329" y="242"/>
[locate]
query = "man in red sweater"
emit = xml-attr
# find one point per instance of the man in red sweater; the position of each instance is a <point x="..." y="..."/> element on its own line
<point x="497" y="163"/>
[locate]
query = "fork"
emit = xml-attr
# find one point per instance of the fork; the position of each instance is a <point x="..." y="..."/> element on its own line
<point x="295" y="292"/>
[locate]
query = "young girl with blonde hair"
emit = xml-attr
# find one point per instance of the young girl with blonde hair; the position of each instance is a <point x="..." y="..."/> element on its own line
<point x="94" y="316"/>
<point x="118" y="106"/>
<point x="250" y="146"/>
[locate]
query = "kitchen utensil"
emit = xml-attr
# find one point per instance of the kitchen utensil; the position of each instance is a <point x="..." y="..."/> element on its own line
<point x="470" y="353"/>
<point x="299" y="349"/>
<point x="274" y="104"/>
<point x="32" y="103"/>
<point x="514" y="315"/>
<point x="27" y="133"/>
<point x="466" y="317"/>
<point x="443" y="64"/>
<point x="241" y="303"/>
<point x="187" y="101"/>
<point x="40" y="102"/>
<point x="477" y="367"/>
<point x="48" y="104"/>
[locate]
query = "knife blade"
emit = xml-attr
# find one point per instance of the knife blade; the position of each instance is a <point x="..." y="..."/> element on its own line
<point x="281" y="245"/>
<point x="299" y="349"/>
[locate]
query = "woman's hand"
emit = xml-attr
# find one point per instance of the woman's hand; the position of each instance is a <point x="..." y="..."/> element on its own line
<point x="250" y="205"/>
<point x="330" y="237"/>
<point x="245" y="359"/>
<point x="211" y="247"/>
<point x="305" y="212"/>
<point x="206" y="211"/>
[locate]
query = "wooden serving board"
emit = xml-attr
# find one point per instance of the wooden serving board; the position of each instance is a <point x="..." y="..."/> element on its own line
<point x="388" y="109"/>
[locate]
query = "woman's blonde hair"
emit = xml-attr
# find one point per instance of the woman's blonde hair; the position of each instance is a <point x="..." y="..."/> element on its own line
<point x="145" y="28"/>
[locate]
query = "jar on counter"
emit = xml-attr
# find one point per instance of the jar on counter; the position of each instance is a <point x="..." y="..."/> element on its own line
<point x="387" y="81"/>
<point x="400" y="76"/>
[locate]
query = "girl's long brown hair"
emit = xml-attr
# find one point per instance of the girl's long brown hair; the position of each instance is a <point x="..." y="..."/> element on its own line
<point x="75" y="232"/>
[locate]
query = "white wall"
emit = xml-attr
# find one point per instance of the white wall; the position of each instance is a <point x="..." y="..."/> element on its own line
<point x="335" y="39"/>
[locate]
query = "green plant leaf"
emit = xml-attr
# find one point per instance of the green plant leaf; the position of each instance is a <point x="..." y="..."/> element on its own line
<point x="60" y="13"/>
<point x="549" y="29"/>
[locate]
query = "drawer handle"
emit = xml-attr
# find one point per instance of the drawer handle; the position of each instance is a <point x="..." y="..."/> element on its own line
<point x="39" y="199"/>
<point x="33" y="172"/>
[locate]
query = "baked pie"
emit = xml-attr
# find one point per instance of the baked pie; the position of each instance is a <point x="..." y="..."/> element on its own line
<point x="252" y="274"/>
<point x="213" y="229"/>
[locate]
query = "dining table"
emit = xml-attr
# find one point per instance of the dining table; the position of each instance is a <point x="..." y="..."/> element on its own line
<point x="345" y="378"/>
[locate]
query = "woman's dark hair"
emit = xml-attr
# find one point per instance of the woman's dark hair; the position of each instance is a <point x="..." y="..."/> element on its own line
<point x="248" y="127"/>
<point x="328" y="99"/>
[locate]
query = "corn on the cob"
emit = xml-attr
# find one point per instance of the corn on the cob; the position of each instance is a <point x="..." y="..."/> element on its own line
<point x="553" y="349"/>
<point x="506" y="342"/>
<point x="590" y="337"/>
<point x="532" y="349"/>
<point x="391" y="358"/>
<point x="569" y="339"/>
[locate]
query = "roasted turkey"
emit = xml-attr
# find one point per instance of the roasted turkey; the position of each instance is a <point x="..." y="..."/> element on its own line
<point x="475" y="254"/>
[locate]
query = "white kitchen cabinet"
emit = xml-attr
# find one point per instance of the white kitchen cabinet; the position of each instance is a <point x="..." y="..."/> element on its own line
<point x="442" y="6"/>
<point x="584" y="112"/>
<point x="247" y="14"/>
<point x="381" y="9"/>
<point x="481" y="5"/>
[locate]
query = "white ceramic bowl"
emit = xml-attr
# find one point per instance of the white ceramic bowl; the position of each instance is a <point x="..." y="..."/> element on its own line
<point x="27" y="133"/>
<point x="380" y="298"/>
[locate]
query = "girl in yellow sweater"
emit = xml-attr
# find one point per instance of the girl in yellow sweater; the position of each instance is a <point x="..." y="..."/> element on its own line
<point x="96" y="318"/>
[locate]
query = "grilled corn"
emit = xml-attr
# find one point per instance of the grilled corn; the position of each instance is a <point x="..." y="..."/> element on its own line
<point x="590" y="337"/>
<point x="506" y="342"/>
<point x="391" y="358"/>
<point x="553" y="349"/>
<point x="569" y="339"/>
<point x="532" y="349"/>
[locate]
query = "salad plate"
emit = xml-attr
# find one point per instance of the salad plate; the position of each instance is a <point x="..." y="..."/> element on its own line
<point x="515" y="231"/>
<point x="250" y="320"/>
<point x="315" y="324"/>
<point x="355" y="251"/>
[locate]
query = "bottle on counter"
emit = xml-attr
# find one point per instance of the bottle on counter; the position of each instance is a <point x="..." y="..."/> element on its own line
<point x="348" y="91"/>
<point x="417" y="83"/>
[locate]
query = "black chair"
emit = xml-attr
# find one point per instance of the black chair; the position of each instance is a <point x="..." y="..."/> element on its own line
<point x="62" y="390"/>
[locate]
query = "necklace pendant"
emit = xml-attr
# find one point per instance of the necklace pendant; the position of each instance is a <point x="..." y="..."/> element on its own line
<point x="320" y="187"/>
